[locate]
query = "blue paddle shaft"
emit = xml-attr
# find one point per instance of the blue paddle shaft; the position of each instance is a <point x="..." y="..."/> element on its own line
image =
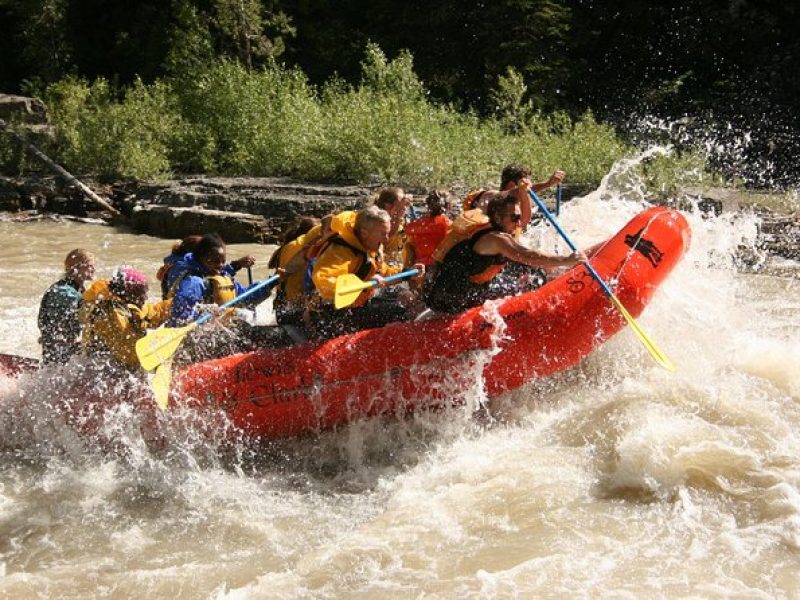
<point x="242" y="296"/>
<point x="572" y="246"/>
<point x="403" y="275"/>
<point x="390" y="278"/>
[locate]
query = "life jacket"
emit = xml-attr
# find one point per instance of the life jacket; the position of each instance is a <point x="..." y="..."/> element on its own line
<point x="425" y="234"/>
<point x="99" y="295"/>
<point x="462" y="279"/>
<point x="484" y="268"/>
<point x="97" y="292"/>
<point x="220" y="289"/>
<point x="111" y="327"/>
<point x="58" y="321"/>
<point x="368" y="266"/>
<point x="366" y="269"/>
<point x="292" y="287"/>
<point x="311" y="256"/>
<point x="100" y="309"/>
<point x="472" y="200"/>
<point x="343" y="228"/>
<point x="463" y="228"/>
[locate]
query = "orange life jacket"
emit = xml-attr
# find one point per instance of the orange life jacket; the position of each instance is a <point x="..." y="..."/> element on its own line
<point x="472" y="199"/>
<point x="463" y="228"/>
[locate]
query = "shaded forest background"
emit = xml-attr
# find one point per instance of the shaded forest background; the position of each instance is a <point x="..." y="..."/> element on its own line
<point x="722" y="73"/>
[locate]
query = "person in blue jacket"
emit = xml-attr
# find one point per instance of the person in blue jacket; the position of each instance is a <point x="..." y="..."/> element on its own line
<point x="184" y="247"/>
<point x="200" y="282"/>
<point x="203" y="278"/>
<point x="58" y="312"/>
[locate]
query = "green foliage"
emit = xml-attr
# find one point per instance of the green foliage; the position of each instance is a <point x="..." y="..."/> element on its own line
<point x="247" y="122"/>
<point x="41" y="42"/>
<point x="509" y="102"/>
<point x="12" y="155"/>
<point x="191" y="46"/>
<point x="667" y="174"/>
<point x="397" y="77"/>
<point x="722" y="63"/>
<point x="243" y="27"/>
<point x="271" y="121"/>
<point x="379" y="130"/>
<point x="113" y="139"/>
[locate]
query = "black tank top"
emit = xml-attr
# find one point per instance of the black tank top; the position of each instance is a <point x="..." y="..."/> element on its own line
<point x="451" y="289"/>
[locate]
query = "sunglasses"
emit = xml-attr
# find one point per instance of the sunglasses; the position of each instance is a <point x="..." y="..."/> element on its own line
<point x="516" y="217"/>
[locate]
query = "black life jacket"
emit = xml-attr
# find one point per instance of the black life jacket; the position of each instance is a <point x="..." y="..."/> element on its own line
<point x="462" y="279"/>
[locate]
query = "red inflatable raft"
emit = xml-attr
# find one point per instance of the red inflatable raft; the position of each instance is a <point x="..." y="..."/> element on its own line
<point x="420" y="364"/>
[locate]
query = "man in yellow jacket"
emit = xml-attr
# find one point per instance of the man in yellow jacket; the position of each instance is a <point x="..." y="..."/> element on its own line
<point x="115" y="315"/>
<point x="355" y="248"/>
<point x="300" y="245"/>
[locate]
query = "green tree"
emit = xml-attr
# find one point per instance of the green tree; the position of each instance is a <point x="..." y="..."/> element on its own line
<point x="509" y="100"/>
<point x="190" y="45"/>
<point x="249" y="32"/>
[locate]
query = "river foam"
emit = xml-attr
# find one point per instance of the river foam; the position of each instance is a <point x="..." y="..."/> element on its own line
<point x="614" y="479"/>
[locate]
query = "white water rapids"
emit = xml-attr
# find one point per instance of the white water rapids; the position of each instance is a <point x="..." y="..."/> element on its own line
<point x="615" y="479"/>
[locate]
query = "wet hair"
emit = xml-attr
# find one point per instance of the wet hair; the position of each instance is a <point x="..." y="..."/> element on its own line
<point x="498" y="204"/>
<point x="370" y="215"/>
<point x="186" y="245"/>
<point x="513" y="172"/>
<point x="76" y="258"/>
<point x="438" y="202"/>
<point x="388" y="196"/>
<point x="298" y="227"/>
<point x="208" y="245"/>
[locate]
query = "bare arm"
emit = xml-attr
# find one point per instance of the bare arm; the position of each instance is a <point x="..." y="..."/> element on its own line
<point x="526" y="210"/>
<point x="505" y="244"/>
<point x="524" y="200"/>
<point x="556" y="178"/>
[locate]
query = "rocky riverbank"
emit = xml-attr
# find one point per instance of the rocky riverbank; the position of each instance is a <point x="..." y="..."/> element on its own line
<point x="246" y="209"/>
<point x="241" y="209"/>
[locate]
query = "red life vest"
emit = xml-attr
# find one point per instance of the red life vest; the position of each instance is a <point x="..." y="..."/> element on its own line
<point x="425" y="234"/>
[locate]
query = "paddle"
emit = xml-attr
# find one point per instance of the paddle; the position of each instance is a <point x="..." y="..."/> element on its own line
<point x="159" y="345"/>
<point x="161" y="384"/>
<point x="657" y="355"/>
<point x="349" y="287"/>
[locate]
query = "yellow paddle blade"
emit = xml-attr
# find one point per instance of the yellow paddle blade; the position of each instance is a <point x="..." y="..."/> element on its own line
<point x="161" y="384"/>
<point x="657" y="355"/>
<point x="348" y="289"/>
<point x="159" y="345"/>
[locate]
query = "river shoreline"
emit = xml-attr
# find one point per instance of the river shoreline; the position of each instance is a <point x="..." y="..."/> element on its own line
<point x="253" y="209"/>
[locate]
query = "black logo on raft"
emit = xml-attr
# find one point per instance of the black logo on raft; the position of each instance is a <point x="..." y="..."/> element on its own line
<point x="648" y="249"/>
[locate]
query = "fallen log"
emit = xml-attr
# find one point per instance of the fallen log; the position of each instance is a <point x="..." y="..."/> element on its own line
<point x="69" y="177"/>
